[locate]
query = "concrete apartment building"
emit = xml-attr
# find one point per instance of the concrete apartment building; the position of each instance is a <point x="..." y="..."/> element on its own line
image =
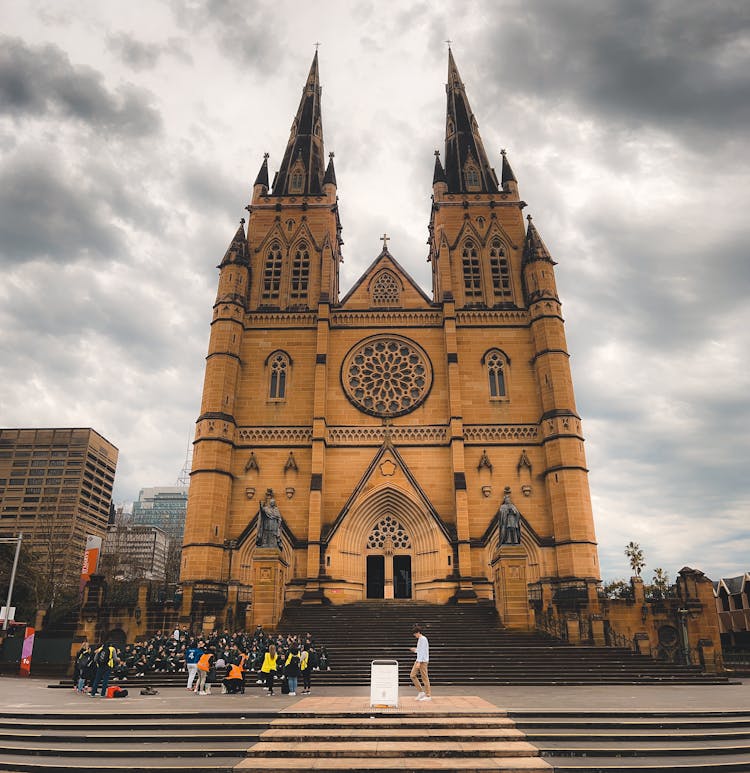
<point x="56" y="487"/>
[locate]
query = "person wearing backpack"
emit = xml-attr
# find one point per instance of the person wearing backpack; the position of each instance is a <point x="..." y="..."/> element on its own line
<point x="104" y="659"/>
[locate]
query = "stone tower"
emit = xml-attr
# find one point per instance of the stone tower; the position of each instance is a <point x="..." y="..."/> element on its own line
<point x="387" y="424"/>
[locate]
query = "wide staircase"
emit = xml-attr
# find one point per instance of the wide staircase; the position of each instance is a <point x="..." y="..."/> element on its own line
<point x="468" y="645"/>
<point x="119" y="737"/>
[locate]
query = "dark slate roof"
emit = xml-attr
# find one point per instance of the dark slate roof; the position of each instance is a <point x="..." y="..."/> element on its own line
<point x="237" y="250"/>
<point x="507" y="172"/>
<point x="438" y="175"/>
<point x="330" y="175"/>
<point x="305" y="141"/>
<point x="462" y="141"/>
<point x="262" y="178"/>
<point x="534" y="248"/>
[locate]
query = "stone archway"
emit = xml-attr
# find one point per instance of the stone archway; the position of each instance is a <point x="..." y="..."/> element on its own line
<point x="389" y="521"/>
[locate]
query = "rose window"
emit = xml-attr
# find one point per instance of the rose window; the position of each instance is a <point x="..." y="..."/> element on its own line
<point x="388" y="527"/>
<point x="386" y="375"/>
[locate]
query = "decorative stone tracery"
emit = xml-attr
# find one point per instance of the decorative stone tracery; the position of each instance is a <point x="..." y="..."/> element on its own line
<point x="386" y="376"/>
<point x="391" y="530"/>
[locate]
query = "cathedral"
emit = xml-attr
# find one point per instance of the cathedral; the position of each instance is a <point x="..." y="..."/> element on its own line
<point x="402" y="445"/>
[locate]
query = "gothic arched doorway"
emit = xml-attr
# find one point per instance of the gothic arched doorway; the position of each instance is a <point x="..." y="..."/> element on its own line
<point x="388" y="560"/>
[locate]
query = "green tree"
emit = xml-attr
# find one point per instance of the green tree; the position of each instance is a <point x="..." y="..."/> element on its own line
<point x="635" y="555"/>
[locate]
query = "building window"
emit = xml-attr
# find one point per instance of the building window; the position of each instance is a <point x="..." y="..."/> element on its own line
<point x="471" y="176"/>
<point x="388" y="528"/>
<point x="279" y="374"/>
<point x="386" y="290"/>
<point x="500" y="270"/>
<point x="472" y="272"/>
<point x="496" y="364"/>
<point x="272" y="273"/>
<point x="300" y="272"/>
<point x="297" y="178"/>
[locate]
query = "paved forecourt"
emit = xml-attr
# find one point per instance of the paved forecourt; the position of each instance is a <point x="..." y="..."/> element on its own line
<point x="614" y="728"/>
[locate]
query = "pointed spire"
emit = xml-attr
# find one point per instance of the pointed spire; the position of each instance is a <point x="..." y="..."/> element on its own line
<point x="330" y="175"/>
<point x="534" y="248"/>
<point x="262" y="178"/>
<point x="438" y="176"/>
<point x="506" y="175"/>
<point x="237" y="250"/>
<point x="301" y="172"/>
<point x="466" y="166"/>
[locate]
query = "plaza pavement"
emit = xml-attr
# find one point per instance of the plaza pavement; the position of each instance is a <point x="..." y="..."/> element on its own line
<point x="33" y="695"/>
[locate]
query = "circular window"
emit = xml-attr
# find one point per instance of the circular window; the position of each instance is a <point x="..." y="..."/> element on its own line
<point x="386" y="375"/>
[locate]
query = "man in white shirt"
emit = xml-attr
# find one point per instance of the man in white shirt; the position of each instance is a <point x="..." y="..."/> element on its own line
<point x="419" y="669"/>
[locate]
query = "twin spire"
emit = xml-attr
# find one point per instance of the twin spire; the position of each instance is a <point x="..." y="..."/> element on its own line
<point x="466" y="167"/>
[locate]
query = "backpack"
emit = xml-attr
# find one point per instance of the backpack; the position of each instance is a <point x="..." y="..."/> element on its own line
<point x="102" y="656"/>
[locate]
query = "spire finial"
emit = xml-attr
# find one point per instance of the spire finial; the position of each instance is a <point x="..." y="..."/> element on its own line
<point x="317" y="46"/>
<point x="242" y="221"/>
<point x="449" y="42"/>
<point x="266" y="156"/>
<point x="437" y="153"/>
<point x="385" y="239"/>
<point x="529" y="218"/>
<point x="331" y="154"/>
<point x="502" y="151"/>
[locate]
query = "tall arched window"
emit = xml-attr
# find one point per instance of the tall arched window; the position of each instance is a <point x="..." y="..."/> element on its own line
<point x="272" y="273"/>
<point x="500" y="270"/>
<point x="278" y="378"/>
<point x="300" y="272"/>
<point x="386" y="290"/>
<point x="297" y="178"/>
<point x="496" y="364"/>
<point x="472" y="272"/>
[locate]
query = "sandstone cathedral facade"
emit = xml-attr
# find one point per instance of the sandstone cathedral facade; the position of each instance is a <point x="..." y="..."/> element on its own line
<point x="388" y="424"/>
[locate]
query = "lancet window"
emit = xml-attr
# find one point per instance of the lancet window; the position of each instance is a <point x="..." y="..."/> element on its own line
<point x="278" y="376"/>
<point x="300" y="272"/>
<point x="272" y="273"/>
<point x="472" y="272"/>
<point x="500" y="270"/>
<point x="496" y="365"/>
<point x="471" y="176"/>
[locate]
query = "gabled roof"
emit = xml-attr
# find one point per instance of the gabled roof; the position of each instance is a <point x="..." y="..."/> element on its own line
<point x="384" y="452"/>
<point x="386" y="260"/>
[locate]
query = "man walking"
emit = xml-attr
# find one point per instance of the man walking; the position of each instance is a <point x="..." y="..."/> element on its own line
<point x="419" y="669"/>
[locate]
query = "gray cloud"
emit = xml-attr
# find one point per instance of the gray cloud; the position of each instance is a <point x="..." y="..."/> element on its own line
<point x="40" y="81"/>
<point x="246" y="33"/>
<point x="667" y="64"/>
<point x="140" y="55"/>
<point x="48" y="211"/>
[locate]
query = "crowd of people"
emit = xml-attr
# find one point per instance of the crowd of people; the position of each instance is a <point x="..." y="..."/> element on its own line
<point x="232" y="658"/>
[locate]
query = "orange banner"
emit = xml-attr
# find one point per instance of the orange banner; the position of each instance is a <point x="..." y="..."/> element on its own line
<point x="28" y="648"/>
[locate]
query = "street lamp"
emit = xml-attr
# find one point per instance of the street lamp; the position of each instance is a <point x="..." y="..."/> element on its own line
<point x="18" y="541"/>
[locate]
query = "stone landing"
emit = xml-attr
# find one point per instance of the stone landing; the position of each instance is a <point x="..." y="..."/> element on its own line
<point x="455" y="732"/>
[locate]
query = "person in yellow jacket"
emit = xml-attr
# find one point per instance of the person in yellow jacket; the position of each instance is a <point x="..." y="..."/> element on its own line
<point x="233" y="681"/>
<point x="204" y="666"/>
<point x="305" y="668"/>
<point x="269" y="667"/>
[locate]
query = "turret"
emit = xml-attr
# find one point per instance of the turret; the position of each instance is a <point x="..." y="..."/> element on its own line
<point x="260" y="187"/>
<point x="507" y="178"/>
<point x="439" y="180"/>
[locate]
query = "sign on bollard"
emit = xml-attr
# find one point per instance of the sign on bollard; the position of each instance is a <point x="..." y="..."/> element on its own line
<point x="384" y="684"/>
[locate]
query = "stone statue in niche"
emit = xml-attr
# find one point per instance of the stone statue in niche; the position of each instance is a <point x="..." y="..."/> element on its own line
<point x="509" y="521"/>
<point x="269" y="523"/>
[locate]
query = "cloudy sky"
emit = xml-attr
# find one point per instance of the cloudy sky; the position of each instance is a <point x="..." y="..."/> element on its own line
<point x="130" y="135"/>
